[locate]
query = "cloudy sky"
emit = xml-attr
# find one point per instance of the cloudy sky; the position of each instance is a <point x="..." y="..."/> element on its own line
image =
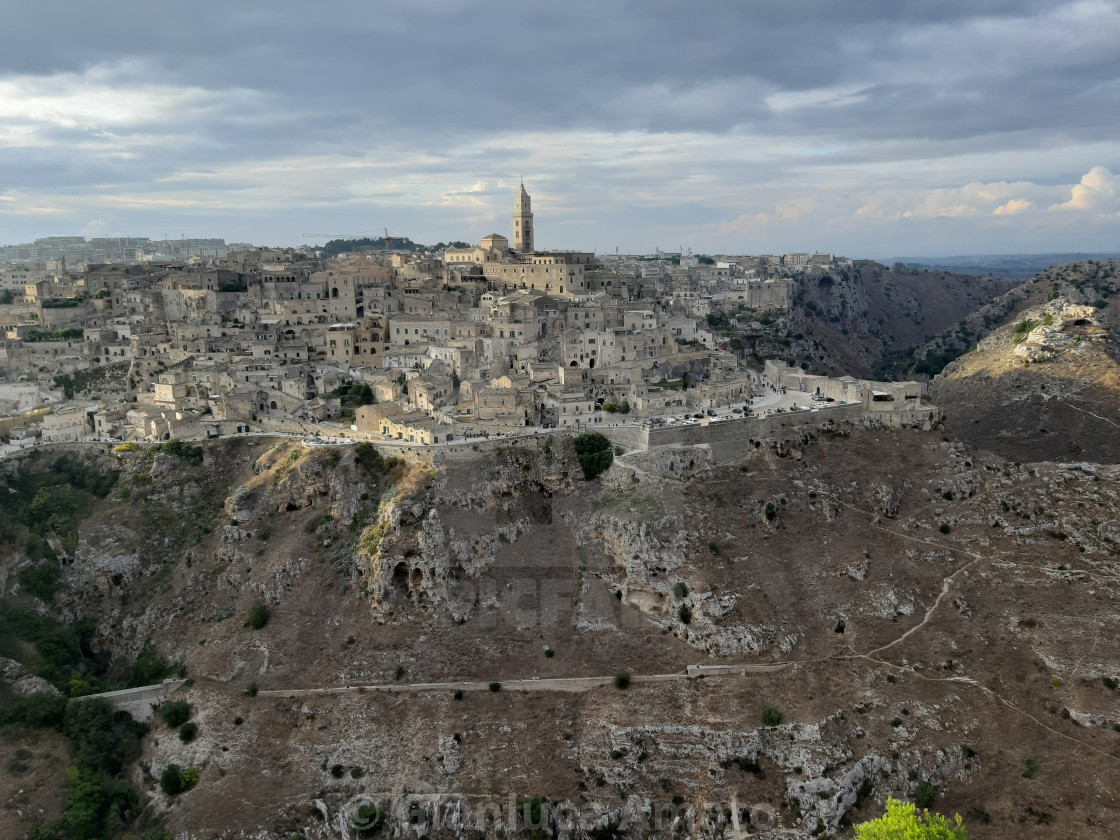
<point x="861" y="127"/>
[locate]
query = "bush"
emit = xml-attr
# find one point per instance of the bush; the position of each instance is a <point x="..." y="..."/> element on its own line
<point x="495" y="686"/>
<point x="258" y="615"/>
<point x="1030" y="767"/>
<point x="171" y="780"/>
<point x="41" y="709"/>
<point x="685" y="614"/>
<point x="924" y="795"/>
<point x="622" y="680"/>
<point x="252" y="689"/>
<point x="944" y="529"/>
<point x="188" y="732"/>
<point x="594" y="454"/>
<point x="148" y="668"/>
<point x="771" y="716"/>
<point x="681" y="590"/>
<point x="902" y="820"/>
<point x="367" y="457"/>
<point x="1022" y="329"/>
<point x="366" y="820"/>
<point x="399" y="673"/>
<point x="41" y="580"/>
<point x="771" y="512"/>
<point x="458" y="695"/>
<point x="175" y="713"/>
<point x="190" y="455"/>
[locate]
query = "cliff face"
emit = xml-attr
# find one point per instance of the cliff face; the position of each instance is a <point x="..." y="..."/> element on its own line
<point x="853" y="320"/>
<point x="905" y="604"/>
<point x="1046" y="382"/>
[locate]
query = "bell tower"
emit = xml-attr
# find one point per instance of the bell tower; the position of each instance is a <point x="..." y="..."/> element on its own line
<point x="522" y="222"/>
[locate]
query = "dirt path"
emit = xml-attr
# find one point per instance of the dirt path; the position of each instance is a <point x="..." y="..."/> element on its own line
<point x="567" y="684"/>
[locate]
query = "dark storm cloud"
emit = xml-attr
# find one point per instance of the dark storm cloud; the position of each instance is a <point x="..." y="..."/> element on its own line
<point x="199" y="96"/>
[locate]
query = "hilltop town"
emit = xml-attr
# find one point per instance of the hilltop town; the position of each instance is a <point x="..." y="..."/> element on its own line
<point x="140" y="340"/>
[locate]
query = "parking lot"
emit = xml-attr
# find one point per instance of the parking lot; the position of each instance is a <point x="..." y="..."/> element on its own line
<point x="772" y="401"/>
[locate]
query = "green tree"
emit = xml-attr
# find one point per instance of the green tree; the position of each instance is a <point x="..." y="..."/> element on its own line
<point x="903" y="822"/>
<point x="594" y="453"/>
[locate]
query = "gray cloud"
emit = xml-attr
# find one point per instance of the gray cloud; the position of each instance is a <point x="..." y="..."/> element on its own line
<point x="648" y="119"/>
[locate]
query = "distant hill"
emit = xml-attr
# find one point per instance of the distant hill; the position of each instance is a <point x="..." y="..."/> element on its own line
<point x="1012" y="266"/>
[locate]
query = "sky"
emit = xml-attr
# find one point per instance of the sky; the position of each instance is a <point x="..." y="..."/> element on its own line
<point x="867" y="128"/>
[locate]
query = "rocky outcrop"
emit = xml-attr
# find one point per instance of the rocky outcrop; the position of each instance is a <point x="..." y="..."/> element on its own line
<point x="21" y="681"/>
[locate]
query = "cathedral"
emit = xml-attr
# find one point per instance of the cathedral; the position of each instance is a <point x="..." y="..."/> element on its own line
<point x="522" y="267"/>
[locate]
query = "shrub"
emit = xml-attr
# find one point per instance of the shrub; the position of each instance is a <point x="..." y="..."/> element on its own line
<point x="175" y="713"/>
<point x="458" y="695"/>
<point x="681" y="590"/>
<point x="41" y="709"/>
<point x="148" y="668"/>
<point x="189" y="778"/>
<point x="685" y="614"/>
<point x="771" y="716"/>
<point x="1022" y="329"/>
<point x="190" y="455"/>
<point x="1030" y="767"/>
<point x="902" y="820"/>
<point x="1110" y="683"/>
<point x="252" y="689"/>
<point x="367" y="457"/>
<point x="549" y="653"/>
<point x="771" y="512"/>
<point x="258" y="615"/>
<point x="237" y="721"/>
<point x="41" y="580"/>
<point x="594" y="454"/>
<point x="366" y="819"/>
<point x="188" y="732"/>
<point x="713" y="547"/>
<point x="495" y="686"/>
<point x="924" y="795"/>
<point x="399" y="673"/>
<point x="171" y="779"/>
<point x="338" y="771"/>
<point x="944" y="529"/>
<point x="622" y="680"/>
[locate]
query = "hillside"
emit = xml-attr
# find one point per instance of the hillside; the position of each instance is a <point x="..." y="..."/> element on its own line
<point x="1046" y="383"/>
<point x="921" y="640"/>
<point x="850" y="320"/>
